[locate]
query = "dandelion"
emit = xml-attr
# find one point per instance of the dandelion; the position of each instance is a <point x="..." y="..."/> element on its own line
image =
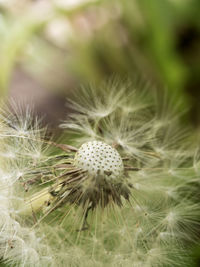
<point x="119" y="191"/>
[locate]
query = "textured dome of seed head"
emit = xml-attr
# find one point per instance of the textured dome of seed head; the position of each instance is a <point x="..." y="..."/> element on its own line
<point x="98" y="157"/>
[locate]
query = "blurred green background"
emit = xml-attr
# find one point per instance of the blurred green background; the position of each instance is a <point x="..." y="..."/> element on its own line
<point x="49" y="48"/>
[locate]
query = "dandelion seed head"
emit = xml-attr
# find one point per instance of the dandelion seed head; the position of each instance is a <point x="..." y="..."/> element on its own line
<point x="9" y="154"/>
<point x="171" y="193"/>
<point x="171" y="217"/>
<point x="97" y="158"/>
<point x="122" y="197"/>
<point x="36" y="155"/>
<point x="164" y="235"/>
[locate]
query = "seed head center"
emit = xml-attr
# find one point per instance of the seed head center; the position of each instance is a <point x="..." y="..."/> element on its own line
<point x="99" y="158"/>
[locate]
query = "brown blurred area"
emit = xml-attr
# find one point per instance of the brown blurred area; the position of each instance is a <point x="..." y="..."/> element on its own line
<point x="27" y="91"/>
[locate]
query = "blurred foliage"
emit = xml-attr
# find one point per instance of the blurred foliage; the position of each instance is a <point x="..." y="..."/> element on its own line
<point x="14" y="36"/>
<point x="89" y="41"/>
